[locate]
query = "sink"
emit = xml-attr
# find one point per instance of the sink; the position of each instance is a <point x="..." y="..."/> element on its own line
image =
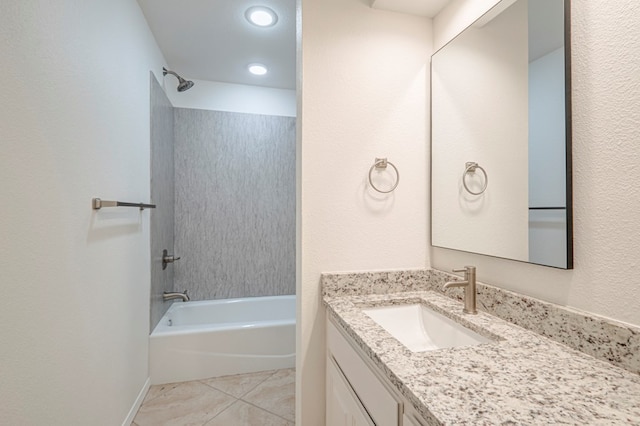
<point x="422" y="329"/>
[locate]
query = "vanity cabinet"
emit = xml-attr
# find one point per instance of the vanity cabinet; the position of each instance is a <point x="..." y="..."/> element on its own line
<point x="343" y="406"/>
<point x="410" y="421"/>
<point x="356" y="393"/>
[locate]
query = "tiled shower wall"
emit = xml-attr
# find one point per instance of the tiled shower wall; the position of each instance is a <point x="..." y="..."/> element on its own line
<point x="162" y="194"/>
<point x="235" y="204"/>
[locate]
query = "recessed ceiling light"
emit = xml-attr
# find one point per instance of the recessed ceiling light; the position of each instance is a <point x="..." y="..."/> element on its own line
<point x="257" y="69"/>
<point x="261" y="16"/>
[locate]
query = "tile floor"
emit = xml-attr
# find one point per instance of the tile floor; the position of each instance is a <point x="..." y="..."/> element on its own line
<point x="266" y="398"/>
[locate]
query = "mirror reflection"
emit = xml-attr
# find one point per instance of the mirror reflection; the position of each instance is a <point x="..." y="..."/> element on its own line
<point x="501" y="175"/>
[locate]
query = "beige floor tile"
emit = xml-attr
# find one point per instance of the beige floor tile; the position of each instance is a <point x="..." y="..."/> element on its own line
<point x="238" y="385"/>
<point x="157" y="390"/>
<point x="187" y="404"/>
<point x="276" y="394"/>
<point x="243" y="414"/>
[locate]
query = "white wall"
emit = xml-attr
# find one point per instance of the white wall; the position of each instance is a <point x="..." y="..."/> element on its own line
<point x="364" y="94"/>
<point x="606" y="195"/>
<point x="457" y="16"/>
<point x="74" y="124"/>
<point x="482" y="67"/>
<point x="219" y="96"/>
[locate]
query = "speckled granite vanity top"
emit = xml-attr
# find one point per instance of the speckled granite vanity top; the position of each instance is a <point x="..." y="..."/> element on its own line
<point x="519" y="378"/>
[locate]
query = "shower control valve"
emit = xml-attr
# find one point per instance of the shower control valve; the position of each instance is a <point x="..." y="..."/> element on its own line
<point x="167" y="258"/>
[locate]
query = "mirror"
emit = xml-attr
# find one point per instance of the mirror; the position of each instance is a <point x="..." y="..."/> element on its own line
<point x="501" y="136"/>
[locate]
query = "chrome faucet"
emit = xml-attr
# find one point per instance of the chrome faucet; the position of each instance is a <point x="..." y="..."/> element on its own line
<point x="469" y="285"/>
<point x="167" y="295"/>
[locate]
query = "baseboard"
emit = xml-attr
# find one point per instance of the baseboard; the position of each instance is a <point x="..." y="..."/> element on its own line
<point x="137" y="403"/>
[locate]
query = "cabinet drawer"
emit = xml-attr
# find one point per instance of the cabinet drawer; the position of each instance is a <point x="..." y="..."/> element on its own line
<point x="381" y="405"/>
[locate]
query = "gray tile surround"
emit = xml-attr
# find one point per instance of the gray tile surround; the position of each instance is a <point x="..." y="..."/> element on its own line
<point x="604" y="339"/>
<point x="235" y="204"/>
<point x="162" y="194"/>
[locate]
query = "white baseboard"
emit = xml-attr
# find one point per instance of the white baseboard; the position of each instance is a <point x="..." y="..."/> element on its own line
<point x="137" y="403"/>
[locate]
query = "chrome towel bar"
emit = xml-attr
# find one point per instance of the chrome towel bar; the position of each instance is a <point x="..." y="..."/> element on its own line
<point x="97" y="204"/>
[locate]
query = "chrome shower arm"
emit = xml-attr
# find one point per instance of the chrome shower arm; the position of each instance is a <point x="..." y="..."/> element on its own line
<point x="166" y="71"/>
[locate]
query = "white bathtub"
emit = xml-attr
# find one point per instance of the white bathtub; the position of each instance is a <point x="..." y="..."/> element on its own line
<point x="198" y="340"/>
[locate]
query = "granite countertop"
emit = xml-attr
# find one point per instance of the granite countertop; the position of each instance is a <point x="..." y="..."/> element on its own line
<point x="519" y="378"/>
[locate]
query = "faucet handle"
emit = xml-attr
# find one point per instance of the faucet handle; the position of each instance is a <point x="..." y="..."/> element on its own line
<point x="468" y="271"/>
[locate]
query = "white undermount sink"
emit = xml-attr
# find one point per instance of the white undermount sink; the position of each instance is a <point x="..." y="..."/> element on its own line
<point x="421" y="329"/>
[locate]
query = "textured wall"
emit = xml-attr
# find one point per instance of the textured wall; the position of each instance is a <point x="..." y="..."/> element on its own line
<point x="74" y="124"/>
<point x="162" y="194"/>
<point x="458" y="15"/>
<point x="606" y="195"/>
<point x="235" y="204"/>
<point x="364" y="94"/>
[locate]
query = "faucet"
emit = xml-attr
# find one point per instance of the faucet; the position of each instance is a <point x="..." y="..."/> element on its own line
<point x="469" y="285"/>
<point x="167" y="295"/>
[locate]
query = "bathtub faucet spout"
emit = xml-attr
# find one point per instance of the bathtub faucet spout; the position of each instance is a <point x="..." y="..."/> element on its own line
<point x="168" y="295"/>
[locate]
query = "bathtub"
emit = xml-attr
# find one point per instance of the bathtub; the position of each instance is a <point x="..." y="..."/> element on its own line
<point x="211" y="338"/>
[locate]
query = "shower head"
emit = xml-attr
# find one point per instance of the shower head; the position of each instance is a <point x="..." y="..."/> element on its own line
<point x="182" y="83"/>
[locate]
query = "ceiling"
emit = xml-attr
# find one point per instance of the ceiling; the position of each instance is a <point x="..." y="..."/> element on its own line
<point x="428" y="8"/>
<point x="211" y="39"/>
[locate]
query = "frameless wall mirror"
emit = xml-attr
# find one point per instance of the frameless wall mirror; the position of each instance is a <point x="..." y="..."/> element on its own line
<point x="501" y="136"/>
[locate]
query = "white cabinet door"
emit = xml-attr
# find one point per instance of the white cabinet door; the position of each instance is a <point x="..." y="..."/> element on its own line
<point x="410" y="421"/>
<point x="377" y="400"/>
<point x="343" y="408"/>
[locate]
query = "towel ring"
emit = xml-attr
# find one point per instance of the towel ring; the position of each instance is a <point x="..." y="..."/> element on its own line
<point x="471" y="167"/>
<point x="381" y="163"/>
